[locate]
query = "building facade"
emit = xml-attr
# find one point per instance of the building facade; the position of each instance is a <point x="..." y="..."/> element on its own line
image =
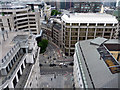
<point x="56" y="32"/>
<point x="83" y="26"/>
<point x="19" y="52"/>
<point x="19" y="18"/>
<point x="85" y="7"/>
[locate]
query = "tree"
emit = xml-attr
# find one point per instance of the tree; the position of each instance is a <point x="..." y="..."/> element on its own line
<point x="43" y="44"/>
<point x="55" y="13"/>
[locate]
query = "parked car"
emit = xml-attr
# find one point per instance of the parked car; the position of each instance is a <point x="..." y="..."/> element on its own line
<point x="51" y="65"/>
<point x="61" y="64"/>
<point x="71" y="63"/>
<point x="40" y="65"/>
<point x="65" y="65"/>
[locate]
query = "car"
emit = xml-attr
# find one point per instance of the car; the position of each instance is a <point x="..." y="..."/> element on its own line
<point x="40" y="65"/>
<point x="65" y="65"/>
<point x="71" y="63"/>
<point x="51" y="65"/>
<point x="61" y="64"/>
<point x="54" y="58"/>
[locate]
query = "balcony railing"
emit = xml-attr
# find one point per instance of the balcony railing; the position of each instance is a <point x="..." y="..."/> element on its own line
<point x="13" y="70"/>
<point x="10" y="54"/>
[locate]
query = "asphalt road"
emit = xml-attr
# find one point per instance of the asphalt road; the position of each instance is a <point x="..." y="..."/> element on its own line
<point x="64" y="76"/>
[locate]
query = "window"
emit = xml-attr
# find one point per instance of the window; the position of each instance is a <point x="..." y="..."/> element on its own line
<point x="99" y="30"/>
<point x="67" y="29"/>
<point x="109" y="24"/>
<point x="74" y="33"/>
<point x="75" y="24"/>
<point x="21" y="12"/>
<point x="67" y="24"/>
<point x="92" y="24"/>
<point x="73" y="38"/>
<point x="0" y="20"/>
<point x="32" y="26"/>
<point x="74" y="29"/>
<point x="100" y="24"/>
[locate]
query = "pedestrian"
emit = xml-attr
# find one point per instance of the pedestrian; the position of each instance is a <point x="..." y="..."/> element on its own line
<point x="51" y="79"/>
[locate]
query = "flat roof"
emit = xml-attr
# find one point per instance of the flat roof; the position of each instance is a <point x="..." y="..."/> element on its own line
<point x="9" y="42"/>
<point x="89" y="18"/>
<point x="12" y="6"/>
<point x="99" y="71"/>
<point x="98" y="41"/>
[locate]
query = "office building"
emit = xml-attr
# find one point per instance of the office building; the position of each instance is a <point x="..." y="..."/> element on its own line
<point x="85" y="7"/>
<point x="97" y="63"/>
<point x="83" y="26"/>
<point x="20" y="17"/>
<point x="56" y="32"/>
<point x="18" y="53"/>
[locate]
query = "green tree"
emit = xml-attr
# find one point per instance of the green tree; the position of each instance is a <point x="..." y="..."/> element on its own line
<point x="2" y="13"/>
<point x="55" y="13"/>
<point x="43" y="44"/>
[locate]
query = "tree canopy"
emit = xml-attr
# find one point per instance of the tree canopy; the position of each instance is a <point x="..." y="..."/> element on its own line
<point x="55" y="13"/>
<point x="43" y="44"/>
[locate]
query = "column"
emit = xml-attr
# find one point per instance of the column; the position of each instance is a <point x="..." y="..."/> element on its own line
<point x="103" y="32"/>
<point x="111" y="34"/>
<point x="86" y="32"/>
<point x="23" y="65"/>
<point x="8" y="68"/>
<point x="15" y="58"/>
<point x="20" y="71"/>
<point x="69" y="40"/>
<point x="10" y="64"/>
<point x="95" y="33"/>
<point x="11" y="85"/>
<point x="78" y="32"/>
<point x="26" y="50"/>
<point x="17" y="78"/>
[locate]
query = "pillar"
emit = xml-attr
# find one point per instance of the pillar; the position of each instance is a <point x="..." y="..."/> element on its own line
<point x="17" y="78"/>
<point x="23" y="65"/>
<point x="11" y="85"/>
<point x="20" y="71"/>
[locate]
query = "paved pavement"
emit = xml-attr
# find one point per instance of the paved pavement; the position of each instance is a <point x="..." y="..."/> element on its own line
<point x="48" y="81"/>
<point x="24" y="76"/>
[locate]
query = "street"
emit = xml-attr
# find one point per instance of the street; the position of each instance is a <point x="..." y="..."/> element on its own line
<point x="58" y="76"/>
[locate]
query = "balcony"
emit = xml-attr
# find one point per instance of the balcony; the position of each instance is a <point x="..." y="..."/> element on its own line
<point x="4" y="80"/>
<point x="9" y="55"/>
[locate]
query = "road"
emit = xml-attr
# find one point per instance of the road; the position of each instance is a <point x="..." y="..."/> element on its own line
<point x="51" y="77"/>
<point x="55" y="76"/>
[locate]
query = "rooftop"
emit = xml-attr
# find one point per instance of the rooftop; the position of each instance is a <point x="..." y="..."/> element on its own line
<point x="12" y="6"/>
<point x="99" y="71"/>
<point x="89" y="18"/>
<point x="9" y="42"/>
